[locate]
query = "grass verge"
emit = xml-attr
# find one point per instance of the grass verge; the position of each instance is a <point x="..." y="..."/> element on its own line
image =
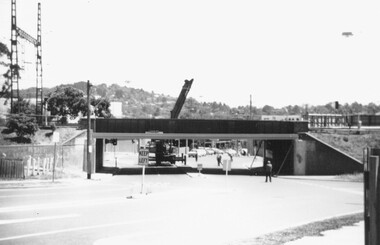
<point x="311" y="229"/>
<point x="356" y="177"/>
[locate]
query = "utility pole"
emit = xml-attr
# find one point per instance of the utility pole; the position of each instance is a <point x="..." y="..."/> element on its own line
<point x="250" y="107"/>
<point x="88" y="132"/>
<point x="14" y="61"/>
<point x="17" y="32"/>
<point x="38" y="45"/>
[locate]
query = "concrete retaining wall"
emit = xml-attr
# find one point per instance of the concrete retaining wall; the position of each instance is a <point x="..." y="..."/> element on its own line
<point x="314" y="157"/>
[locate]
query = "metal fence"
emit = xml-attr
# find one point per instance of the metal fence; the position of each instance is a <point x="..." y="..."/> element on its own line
<point x="11" y="168"/>
<point x="34" y="160"/>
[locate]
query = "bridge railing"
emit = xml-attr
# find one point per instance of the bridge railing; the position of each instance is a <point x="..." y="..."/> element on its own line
<point x="197" y="126"/>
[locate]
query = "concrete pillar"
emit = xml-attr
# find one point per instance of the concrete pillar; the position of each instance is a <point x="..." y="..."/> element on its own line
<point x="187" y="147"/>
<point x="300" y="148"/>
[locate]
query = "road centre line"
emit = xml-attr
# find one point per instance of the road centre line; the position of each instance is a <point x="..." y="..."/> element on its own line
<point x="14" y="221"/>
<point x="63" y="186"/>
<point x="76" y="229"/>
<point x="81" y="203"/>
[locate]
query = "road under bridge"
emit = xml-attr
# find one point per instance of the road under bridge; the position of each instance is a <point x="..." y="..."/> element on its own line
<point x="278" y="136"/>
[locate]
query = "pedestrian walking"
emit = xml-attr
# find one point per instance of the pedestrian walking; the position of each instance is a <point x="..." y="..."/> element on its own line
<point x="196" y="156"/>
<point x="231" y="157"/>
<point x="219" y="159"/>
<point x="268" y="171"/>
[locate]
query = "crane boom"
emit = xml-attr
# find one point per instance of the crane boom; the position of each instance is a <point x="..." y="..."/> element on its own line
<point x="181" y="99"/>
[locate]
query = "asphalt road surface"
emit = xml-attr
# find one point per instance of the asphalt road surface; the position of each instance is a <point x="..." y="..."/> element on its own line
<point x="173" y="209"/>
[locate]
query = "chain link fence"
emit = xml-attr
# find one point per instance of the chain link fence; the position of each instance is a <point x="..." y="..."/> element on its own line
<point x="42" y="160"/>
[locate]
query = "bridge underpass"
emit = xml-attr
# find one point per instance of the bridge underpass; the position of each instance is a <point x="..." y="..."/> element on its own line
<point x="277" y="136"/>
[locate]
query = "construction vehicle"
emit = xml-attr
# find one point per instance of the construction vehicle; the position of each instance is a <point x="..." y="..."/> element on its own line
<point x="163" y="149"/>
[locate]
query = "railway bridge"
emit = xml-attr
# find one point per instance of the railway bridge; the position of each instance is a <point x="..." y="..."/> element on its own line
<point x="286" y="143"/>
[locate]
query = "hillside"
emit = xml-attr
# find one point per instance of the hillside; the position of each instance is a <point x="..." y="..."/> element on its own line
<point x="138" y="103"/>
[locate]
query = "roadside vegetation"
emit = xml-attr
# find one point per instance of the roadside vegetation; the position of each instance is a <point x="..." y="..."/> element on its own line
<point x="351" y="142"/>
<point x="311" y="229"/>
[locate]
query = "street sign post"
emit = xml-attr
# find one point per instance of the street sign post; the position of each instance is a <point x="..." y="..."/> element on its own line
<point x="143" y="160"/>
<point x="199" y="167"/>
<point x="226" y="167"/>
<point x="143" y="157"/>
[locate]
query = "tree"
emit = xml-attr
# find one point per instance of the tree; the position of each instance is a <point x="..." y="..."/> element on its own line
<point x="119" y="94"/>
<point x="81" y="86"/>
<point x="268" y="110"/>
<point x="5" y="88"/>
<point x="101" y="107"/>
<point x="296" y="110"/>
<point x="66" y="102"/>
<point x="23" y="106"/>
<point x="356" y="107"/>
<point x="157" y="112"/>
<point x="23" y="125"/>
<point x="101" y="90"/>
<point x="4" y="50"/>
<point x="372" y="108"/>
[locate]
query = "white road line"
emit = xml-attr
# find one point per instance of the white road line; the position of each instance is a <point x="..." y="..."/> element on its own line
<point x="360" y="193"/>
<point x="47" y="186"/>
<point x="14" y="221"/>
<point x="75" y="229"/>
<point x="58" y="193"/>
<point x="81" y="203"/>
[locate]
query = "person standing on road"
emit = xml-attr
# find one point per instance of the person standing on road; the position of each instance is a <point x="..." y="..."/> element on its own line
<point x="196" y="156"/>
<point x="268" y="171"/>
<point x="219" y="159"/>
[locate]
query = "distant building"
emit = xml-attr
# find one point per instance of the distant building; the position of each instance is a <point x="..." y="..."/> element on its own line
<point x="282" y="117"/>
<point x="116" y="109"/>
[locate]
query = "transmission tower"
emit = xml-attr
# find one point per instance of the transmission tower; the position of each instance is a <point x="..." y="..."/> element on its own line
<point x="17" y="32"/>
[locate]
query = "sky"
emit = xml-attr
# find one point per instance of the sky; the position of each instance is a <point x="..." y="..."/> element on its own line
<point x="280" y="52"/>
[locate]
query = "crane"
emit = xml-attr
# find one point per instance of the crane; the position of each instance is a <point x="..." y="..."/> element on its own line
<point x="161" y="152"/>
<point x="181" y="99"/>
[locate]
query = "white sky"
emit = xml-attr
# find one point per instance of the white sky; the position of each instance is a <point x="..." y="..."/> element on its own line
<point x="283" y="52"/>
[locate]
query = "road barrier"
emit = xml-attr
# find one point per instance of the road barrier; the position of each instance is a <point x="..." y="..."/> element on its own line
<point x="371" y="196"/>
